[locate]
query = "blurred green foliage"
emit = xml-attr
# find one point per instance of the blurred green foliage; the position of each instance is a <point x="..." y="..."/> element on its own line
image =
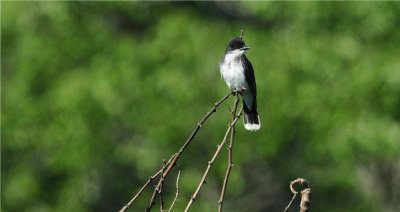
<point x="96" y="94"/>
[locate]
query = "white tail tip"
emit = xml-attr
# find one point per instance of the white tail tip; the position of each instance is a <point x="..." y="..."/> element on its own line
<point x="252" y="127"/>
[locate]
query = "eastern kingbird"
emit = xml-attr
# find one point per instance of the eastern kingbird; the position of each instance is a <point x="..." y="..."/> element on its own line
<point x="238" y="74"/>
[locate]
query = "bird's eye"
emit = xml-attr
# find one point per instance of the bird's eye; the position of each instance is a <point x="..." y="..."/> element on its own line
<point x="231" y="45"/>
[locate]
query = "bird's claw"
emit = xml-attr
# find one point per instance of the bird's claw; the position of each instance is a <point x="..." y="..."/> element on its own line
<point x="237" y="91"/>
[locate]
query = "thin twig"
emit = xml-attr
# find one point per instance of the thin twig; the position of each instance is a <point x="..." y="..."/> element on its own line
<point x="188" y="141"/>
<point x="123" y="209"/>
<point x="177" y="192"/>
<point x="241" y="34"/>
<point x="290" y="203"/>
<point x="230" y="159"/>
<point x="219" y="147"/>
<point x="161" y="188"/>
<point x="305" y="195"/>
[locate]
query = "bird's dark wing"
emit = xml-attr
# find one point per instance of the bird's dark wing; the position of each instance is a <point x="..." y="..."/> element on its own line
<point x="249" y="75"/>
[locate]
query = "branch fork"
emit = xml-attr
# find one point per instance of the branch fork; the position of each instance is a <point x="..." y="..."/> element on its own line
<point x="167" y="167"/>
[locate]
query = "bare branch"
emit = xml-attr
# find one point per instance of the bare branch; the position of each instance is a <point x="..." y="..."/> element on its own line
<point x="219" y="147"/>
<point x="305" y="194"/>
<point x="188" y="141"/>
<point x="241" y="34"/>
<point x="123" y="209"/>
<point x="177" y="192"/>
<point x="230" y="159"/>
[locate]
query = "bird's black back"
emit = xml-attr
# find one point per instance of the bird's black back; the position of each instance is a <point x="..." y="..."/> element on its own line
<point x="250" y="78"/>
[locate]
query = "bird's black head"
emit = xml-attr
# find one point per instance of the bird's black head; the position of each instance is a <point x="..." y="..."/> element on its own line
<point x="236" y="44"/>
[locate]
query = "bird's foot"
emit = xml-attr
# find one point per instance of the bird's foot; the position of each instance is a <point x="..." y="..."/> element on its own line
<point x="235" y="91"/>
<point x="238" y="91"/>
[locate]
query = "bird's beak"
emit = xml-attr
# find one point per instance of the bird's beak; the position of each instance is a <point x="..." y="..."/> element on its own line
<point x="245" y="48"/>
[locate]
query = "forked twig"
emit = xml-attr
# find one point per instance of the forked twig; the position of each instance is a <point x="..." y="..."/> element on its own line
<point x="123" y="209"/>
<point x="172" y="161"/>
<point x="230" y="159"/>
<point x="176" y="156"/>
<point x="219" y="147"/>
<point x="305" y="195"/>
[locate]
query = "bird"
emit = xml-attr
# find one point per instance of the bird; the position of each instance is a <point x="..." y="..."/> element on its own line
<point x="238" y="73"/>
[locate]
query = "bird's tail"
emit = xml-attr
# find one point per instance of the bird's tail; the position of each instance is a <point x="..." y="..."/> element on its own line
<point x="251" y="120"/>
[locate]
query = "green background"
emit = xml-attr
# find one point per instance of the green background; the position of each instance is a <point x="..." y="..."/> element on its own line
<point x="96" y="94"/>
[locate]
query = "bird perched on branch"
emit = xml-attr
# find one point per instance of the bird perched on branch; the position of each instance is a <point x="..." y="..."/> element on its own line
<point x="238" y="74"/>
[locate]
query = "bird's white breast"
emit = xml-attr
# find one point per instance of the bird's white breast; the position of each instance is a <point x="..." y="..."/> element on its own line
<point x="232" y="72"/>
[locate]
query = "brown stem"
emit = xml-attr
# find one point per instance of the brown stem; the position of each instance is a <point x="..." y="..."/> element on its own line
<point x="230" y="159"/>
<point x="219" y="147"/>
<point x="161" y="188"/>
<point x="305" y="199"/>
